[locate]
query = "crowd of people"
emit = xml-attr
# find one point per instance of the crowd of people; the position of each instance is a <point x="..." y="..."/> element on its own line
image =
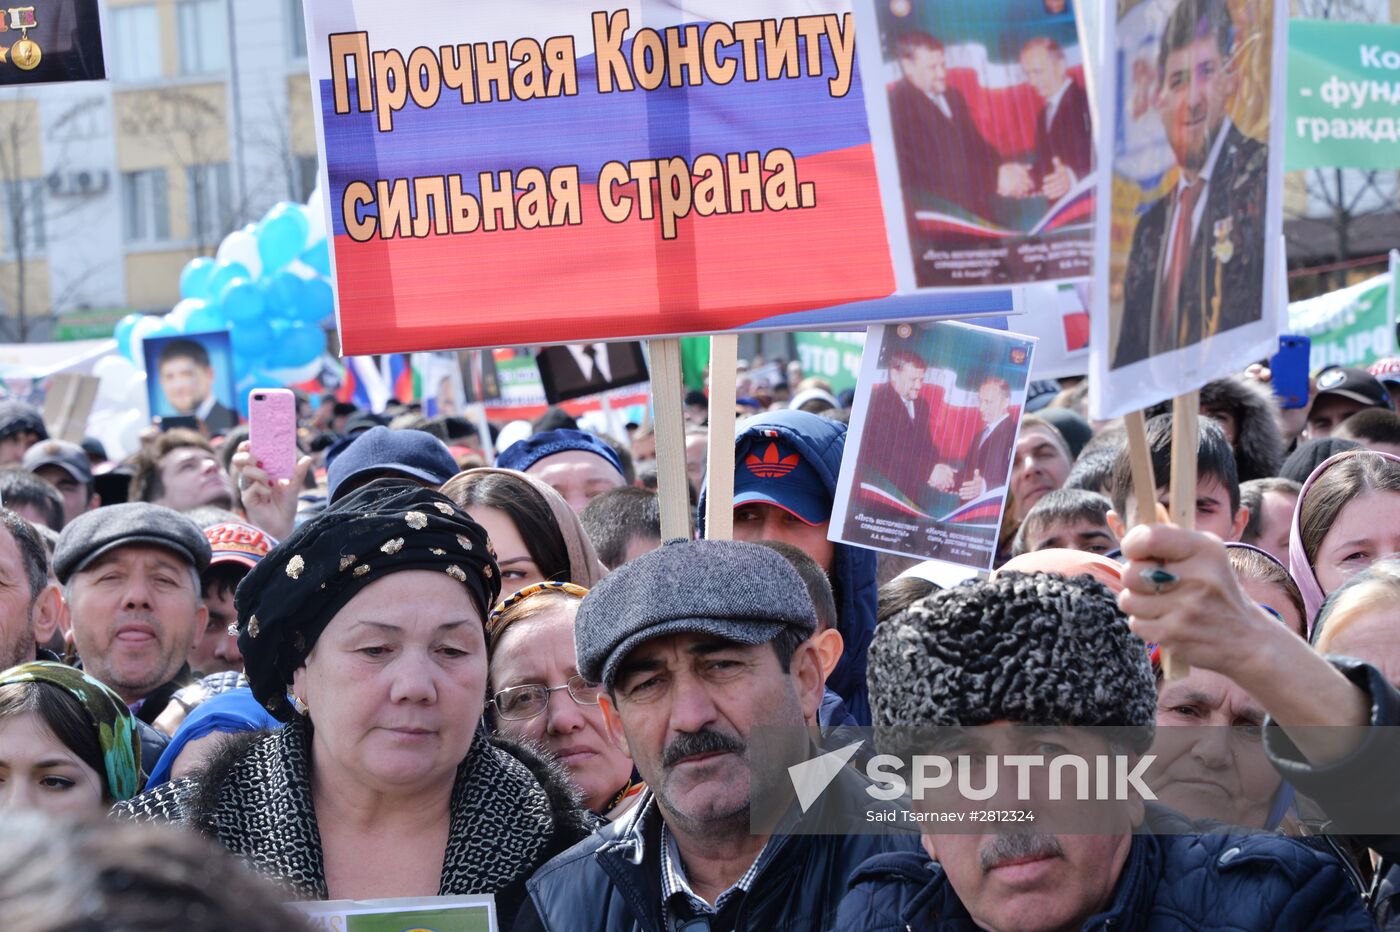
<point x="415" y="669"/>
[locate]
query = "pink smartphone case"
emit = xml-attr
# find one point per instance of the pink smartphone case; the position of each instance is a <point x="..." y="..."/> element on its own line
<point x="272" y="431"/>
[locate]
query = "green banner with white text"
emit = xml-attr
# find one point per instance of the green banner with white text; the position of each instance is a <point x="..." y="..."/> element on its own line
<point x="1343" y="95"/>
<point x="1351" y="327"/>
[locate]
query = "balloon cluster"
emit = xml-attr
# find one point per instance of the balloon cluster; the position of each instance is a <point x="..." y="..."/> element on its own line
<point x="268" y="285"/>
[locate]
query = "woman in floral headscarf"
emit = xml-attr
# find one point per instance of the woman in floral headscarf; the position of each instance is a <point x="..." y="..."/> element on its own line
<point x="68" y="744"/>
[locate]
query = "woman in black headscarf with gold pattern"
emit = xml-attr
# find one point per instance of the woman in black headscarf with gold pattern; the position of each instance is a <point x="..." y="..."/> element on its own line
<point x="364" y="631"/>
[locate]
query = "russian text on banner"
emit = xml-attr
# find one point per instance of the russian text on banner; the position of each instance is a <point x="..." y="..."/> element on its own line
<point x="1343" y="95"/>
<point x="541" y="172"/>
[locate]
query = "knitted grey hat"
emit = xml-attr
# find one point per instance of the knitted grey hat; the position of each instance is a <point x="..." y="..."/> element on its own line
<point x="728" y="589"/>
<point x="1031" y="648"/>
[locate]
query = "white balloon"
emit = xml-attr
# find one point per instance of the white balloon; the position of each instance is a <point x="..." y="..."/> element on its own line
<point x="128" y="433"/>
<point x="144" y="328"/>
<point x="180" y="312"/>
<point x="241" y="246"/>
<point x="111" y="394"/>
<point x="315" y="218"/>
<point x="301" y="270"/>
<point x="135" y="391"/>
<point x="113" y="368"/>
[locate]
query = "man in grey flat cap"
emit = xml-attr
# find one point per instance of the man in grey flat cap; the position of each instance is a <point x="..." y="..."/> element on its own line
<point x="699" y="644"/>
<point x="130" y="574"/>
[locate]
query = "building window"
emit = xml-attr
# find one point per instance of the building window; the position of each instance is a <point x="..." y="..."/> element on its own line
<point x="296" y="30"/>
<point x="146" y="206"/>
<point x="307" y="169"/>
<point x="210" y="200"/>
<point x="134" y="42"/>
<point x="24" y="217"/>
<point x="203" y="36"/>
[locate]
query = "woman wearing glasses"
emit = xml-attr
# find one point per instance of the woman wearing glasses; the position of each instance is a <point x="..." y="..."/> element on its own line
<point x="538" y="696"/>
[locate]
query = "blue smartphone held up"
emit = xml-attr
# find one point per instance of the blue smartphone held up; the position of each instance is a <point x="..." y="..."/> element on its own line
<point x="1289" y="368"/>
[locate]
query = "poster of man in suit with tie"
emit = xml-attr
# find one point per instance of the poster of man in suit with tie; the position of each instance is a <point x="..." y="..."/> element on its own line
<point x="933" y="427"/>
<point x="989" y="160"/>
<point x="1192" y="227"/>
<point x="988" y="461"/>
<point x="1064" y="144"/>
<point x="578" y="369"/>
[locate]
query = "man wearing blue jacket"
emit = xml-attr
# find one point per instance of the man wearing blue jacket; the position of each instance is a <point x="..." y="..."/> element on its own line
<point x="785" y="471"/>
<point x="1058" y="654"/>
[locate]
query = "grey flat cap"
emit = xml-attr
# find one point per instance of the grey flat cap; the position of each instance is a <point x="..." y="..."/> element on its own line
<point x="741" y="592"/>
<point x="94" y="533"/>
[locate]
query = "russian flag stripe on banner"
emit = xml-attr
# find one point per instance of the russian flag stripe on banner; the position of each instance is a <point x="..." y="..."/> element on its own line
<point x="363" y="385"/>
<point x="401" y="378"/>
<point x="598" y="277"/>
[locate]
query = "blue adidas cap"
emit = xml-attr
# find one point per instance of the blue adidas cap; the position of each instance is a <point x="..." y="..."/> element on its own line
<point x="770" y="470"/>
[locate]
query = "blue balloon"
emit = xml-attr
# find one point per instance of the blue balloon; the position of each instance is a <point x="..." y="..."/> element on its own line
<point x="122" y="333"/>
<point x="255" y="378"/>
<point x="319" y="257"/>
<point x="281" y="238"/>
<point x="295" y="344"/>
<point x="252" y="340"/>
<point x="194" y="278"/>
<point x="318" y="298"/>
<point x="208" y="317"/>
<point x="225" y="272"/>
<point x="283" y="293"/>
<point x="243" y="302"/>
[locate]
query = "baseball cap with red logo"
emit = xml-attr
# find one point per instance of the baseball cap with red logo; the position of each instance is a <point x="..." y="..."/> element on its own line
<point x="769" y="470"/>
<point x="1387" y="370"/>
<point x="236" y="542"/>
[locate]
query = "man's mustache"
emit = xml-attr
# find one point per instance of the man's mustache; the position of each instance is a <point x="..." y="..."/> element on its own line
<point x="694" y="743"/>
<point x="1004" y="848"/>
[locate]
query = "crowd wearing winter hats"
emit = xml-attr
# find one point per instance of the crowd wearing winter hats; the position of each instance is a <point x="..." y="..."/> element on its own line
<point x="489" y="619"/>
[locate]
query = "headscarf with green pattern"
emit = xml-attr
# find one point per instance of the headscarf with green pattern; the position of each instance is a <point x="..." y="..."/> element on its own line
<point x="113" y="721"/>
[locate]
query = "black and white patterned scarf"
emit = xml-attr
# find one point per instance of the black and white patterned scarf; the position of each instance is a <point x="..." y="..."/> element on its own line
<point x="507" y="818"/>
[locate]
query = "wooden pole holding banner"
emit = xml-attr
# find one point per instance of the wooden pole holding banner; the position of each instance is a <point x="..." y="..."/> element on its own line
<point x="666" y="396"/>
<point x="719" y="467"/>
<point x="1145" y="484"/>
<point x="1185" y="446"/>
<point x="1140" y="457"/>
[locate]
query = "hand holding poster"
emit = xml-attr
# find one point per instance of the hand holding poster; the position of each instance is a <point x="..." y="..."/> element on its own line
<point x="1190" y="212"/>
<point x="933" y="429"/>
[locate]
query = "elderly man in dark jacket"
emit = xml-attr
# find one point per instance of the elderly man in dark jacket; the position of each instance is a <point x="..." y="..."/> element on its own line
<point x="1039" y="649"/>
<point x="699" y="645"/>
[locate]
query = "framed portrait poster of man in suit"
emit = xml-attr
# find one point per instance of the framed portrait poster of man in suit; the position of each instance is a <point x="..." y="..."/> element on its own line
<point x="1191" y="214"/>
<point x="936" y="413"/>
<point x="987" y="167"/>
<point x="191" y="376"/>
<point x="578" y="369"/>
